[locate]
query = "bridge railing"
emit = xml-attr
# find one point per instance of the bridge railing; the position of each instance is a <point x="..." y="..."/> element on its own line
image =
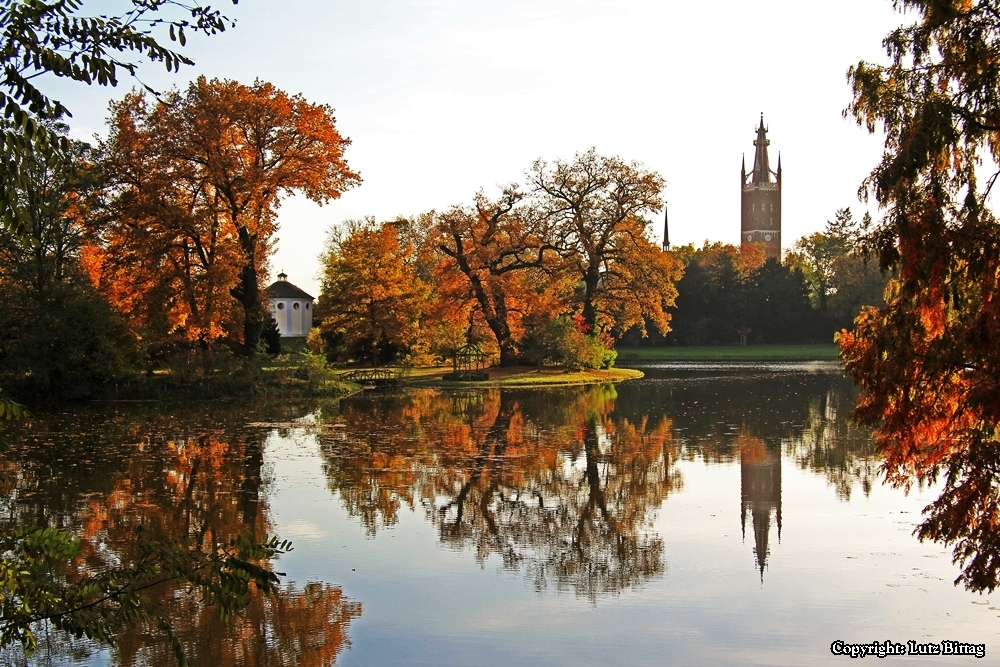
<point x="372" y="375"/>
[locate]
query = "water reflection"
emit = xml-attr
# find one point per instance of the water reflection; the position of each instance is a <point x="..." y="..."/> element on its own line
<point x="197" y="477"/>
<point x="556" y="484"/>
<point x="305" y="626"/>
<point x="562" y="485"/>
<point x="760" y="493"/>
<point x="750" y="413"/>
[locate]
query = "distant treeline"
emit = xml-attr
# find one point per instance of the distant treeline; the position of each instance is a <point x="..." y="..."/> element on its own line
<point x="731" y="295"/>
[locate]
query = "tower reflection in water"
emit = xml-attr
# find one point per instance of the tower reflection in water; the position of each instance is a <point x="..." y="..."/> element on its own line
<point x="760" y="493"/>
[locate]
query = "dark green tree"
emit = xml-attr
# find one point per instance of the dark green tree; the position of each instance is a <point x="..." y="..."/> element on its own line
<point x="777" y="305"/>
<point x="271" y="337"/>
<point x="56" y="333"/>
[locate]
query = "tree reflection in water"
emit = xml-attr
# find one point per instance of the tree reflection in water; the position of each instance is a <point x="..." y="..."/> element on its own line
<point x="198" y="479"/>
<point x="303" y="626"/>
<point x="830" y="443"/>
<point x="556" y="486"/>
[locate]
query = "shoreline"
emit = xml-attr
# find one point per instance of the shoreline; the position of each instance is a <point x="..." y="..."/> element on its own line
<point x="519" y="377"/>
<point x="817" y="352"/>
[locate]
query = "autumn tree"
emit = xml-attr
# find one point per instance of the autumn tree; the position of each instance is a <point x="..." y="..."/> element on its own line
<point x="372" y="299"/>
<point x="168" y="256"/>
<point x="928" y="361"/>
<point x="594" y="206"/>
<point x="450" y="318"/>
<point x="500" y="247"/>
<point x="239" y="150"/>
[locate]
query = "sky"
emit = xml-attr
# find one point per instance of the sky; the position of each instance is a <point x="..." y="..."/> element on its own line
<point x="442" y="98"/>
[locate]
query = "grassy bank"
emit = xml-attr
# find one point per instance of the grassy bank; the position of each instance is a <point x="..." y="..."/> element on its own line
<point x="729" y="353"/>
<point x="295" y="376"/>
<point x="518" y="376"/>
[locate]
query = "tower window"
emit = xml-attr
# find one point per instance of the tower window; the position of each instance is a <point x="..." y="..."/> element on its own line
<point x="295" y="306"/>
<point x="281" y="306"/>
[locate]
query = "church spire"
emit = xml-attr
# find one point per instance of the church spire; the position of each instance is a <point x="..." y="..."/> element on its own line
<point x="666" y="229"/>
<point x="761" y="168"/>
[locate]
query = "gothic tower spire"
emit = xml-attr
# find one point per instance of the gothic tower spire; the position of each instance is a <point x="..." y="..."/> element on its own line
<point x="761" y="167"/>
<point x="760" y="218"/>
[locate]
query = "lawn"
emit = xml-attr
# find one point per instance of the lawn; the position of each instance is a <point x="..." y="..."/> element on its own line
<point x="729" y="353"/>
<point x="518" y="376"/>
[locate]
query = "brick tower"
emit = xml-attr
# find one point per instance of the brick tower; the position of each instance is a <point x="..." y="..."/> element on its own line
<point x="760" y="219"/>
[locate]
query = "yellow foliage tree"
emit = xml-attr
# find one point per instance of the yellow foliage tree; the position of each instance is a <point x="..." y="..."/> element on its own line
<point x="372" y="299"/>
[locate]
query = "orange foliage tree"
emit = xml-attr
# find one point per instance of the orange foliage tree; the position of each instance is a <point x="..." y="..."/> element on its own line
<point x="520" y="268"/>
<point x="207" y="169"/>
<point x="450" y="315"/>
<point x="168" y="256"/>
<point x="594" y="206"/>
<point x="372" y="299"/>
<point x="501" y="250"/>
<point x="928" y="362"/>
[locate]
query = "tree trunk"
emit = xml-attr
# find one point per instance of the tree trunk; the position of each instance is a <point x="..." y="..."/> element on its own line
<point x="494" y="311"/>
<point x="247" y="292"/>
<point x="591" y="280"/>
<point x="508" y="353"/>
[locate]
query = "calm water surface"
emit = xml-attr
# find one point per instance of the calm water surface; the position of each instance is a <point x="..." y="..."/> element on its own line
<point x="711" y="514"/>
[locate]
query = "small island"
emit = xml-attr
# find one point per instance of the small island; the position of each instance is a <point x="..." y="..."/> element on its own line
<point x="521" y="376"/>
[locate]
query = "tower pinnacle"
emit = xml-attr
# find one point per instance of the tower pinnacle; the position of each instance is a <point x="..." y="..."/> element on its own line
<point x="666" y="229"/>
<point x="761" y="167"/>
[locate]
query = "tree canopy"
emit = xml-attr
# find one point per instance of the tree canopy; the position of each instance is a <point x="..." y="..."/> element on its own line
<point x="195" y="181"/>
<point x="928" y="362"/>
<point x="595" y="207"/>
<point x="548" y="270"/>
<point x="373" y="298"/>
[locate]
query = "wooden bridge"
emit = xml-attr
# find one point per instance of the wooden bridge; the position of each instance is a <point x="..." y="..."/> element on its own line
<point x="373" y="378"/>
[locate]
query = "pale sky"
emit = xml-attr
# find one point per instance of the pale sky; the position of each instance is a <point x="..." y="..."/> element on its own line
<point x="443" y="97"/>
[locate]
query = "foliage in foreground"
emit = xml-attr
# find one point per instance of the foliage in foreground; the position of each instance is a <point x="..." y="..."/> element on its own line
<point x="44" y="37"/>
<point x="42" y="580"/>
<point x="928" y="363"/>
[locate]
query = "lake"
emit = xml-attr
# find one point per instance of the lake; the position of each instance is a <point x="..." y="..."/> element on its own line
<point x="724" y="514"/>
